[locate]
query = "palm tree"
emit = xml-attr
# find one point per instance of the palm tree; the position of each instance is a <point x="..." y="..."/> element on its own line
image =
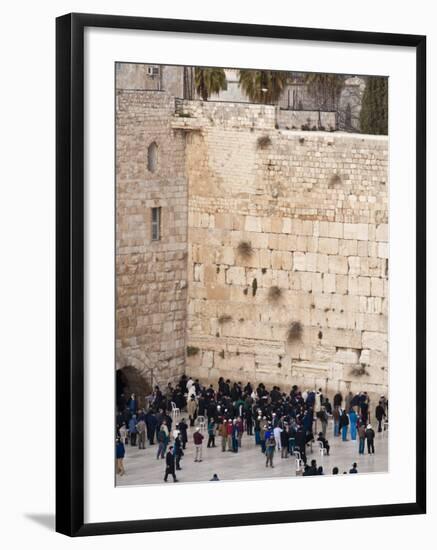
<point x="263" y="86"/>
<point x="325" y="89"/>
<point x="209" y="81"/>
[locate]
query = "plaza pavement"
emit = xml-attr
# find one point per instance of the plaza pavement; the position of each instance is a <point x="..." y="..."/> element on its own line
<point x="143" y="468"/>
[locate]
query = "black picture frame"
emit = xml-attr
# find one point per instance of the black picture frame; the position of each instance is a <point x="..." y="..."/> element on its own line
<point x="70" y="273"/>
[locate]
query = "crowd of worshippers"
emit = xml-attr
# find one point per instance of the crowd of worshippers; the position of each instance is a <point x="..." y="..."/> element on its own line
<point x="277" y="421"/>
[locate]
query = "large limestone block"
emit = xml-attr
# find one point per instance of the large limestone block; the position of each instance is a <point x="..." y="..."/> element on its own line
<point x="311" y="261"/>
<point x="306" y="282"/>
<point x="354" y="265"/>
<point x="276" y="225"/>
<point x="284" y="243"/>
<point x="299" y="261"/>
<point x="223" y="220"/>
<point x="357" y="231"/>
<point x="338" y="264"/>
<point x="312" y="244"/>
<point x="210" y="275"/>
<point x="265" y="258"/>
<point x="295" y="280"/>
<point x="342" y="338"/>
<point x="377" y="287"/>
<point x="383" y="250"/>
<point x="376" y="341"/>
<point x="373" y="322"/>
<point x="322" y="263"/>
<point x="374" y="305"/>
<point x="276" y="259"/>
<point x="225" y="255"/>
<point x="286" y="225"/>
<point x="316" y="282"/>
<point x="364" y="286"/>
<point x="331" y="229"/>
<point x="307" y="228"/>
<point x="382" y="232"/>
<point x="281" y="279"/>
<point x="347" y="356"/>
<point x="329" y="283"/>
<point x="253" y="224"/>
<point x="217" y="293"/>
<point x="363" y="249"/>
<point x="347" y="247"/>
<point x="328" y="245"/>
<point x="341" y="283"/>
<point x="260" y="240"/>
<point x="373" y="267"/>
<point x="286" y="260"/>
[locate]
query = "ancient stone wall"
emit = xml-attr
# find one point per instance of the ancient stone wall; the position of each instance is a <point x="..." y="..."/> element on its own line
<point x="135" y="76"/>
<point x="151" y="274"/>
<point x="288" y="252"/>
<point x="294" y="120"/>
<point x="273" y="260"/>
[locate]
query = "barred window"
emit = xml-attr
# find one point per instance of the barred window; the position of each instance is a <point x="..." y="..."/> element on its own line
<point x="156" y="224"/>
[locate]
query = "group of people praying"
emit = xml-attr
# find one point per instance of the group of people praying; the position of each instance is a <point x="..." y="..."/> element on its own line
<point x="281" y="422"/>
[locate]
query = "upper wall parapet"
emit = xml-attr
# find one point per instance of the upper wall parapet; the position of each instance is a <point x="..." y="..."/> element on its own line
<point x="226" y="114"/>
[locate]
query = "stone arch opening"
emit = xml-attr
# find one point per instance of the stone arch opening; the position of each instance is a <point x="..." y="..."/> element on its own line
<point x="130" y="380"/>
<point x="152" y="157"/>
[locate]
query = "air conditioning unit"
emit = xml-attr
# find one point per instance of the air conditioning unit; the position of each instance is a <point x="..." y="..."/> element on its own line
<point x="153" y="71"/>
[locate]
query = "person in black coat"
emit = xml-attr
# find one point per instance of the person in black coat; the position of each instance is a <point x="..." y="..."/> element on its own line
<point x="344" y="423"/>
<point x="170" y="464"/>
<point x="300" y="443"/>
<point x="183" y="428"/>
<point x="380" y="415"/>
<point x="324" y="442"/>
<point x="364" y="406"/>
<point x="248" y="416"/>
<point x="285" y="436"/>
<point x="151" y="424"/>
<point x="211" y="410"/>
<point x="338" y="399"/>
<point x="370" y="436"/>
<point x="178" y="452"/>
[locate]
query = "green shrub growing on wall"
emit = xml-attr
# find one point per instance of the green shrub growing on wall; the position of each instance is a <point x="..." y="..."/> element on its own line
<point x="274" y="293"/>
<point x="245" y="249"/>
<point x="294" y="332"/>
<point x="192" y="350"/>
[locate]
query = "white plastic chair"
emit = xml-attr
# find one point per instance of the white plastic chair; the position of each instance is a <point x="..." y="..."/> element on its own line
<point x="201" y="423"/>
<point x="299" y="461"/>
<point x="322" y="449"/>
<point x="175" y="411"/>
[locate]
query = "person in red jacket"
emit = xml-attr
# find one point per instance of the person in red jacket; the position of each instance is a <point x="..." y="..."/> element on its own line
<point x="198" y="439"/>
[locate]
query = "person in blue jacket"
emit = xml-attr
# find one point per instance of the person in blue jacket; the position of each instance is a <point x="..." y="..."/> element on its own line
<point x="133" y="404"/>
<point x="353" y="417"/>
<point x="235" y="431"/>
<point x="119" y="454"/>
<point x="133" y="430"/>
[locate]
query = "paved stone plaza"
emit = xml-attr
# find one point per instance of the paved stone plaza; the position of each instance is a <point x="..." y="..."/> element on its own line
<point x="142" y="467"/>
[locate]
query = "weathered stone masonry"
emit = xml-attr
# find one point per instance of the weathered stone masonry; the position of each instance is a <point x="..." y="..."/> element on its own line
<point x="311" y="210"/>
<point x="151" y="275"/>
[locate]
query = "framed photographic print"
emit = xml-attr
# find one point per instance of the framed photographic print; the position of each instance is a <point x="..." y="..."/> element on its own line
<point x="240" y="274"/>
